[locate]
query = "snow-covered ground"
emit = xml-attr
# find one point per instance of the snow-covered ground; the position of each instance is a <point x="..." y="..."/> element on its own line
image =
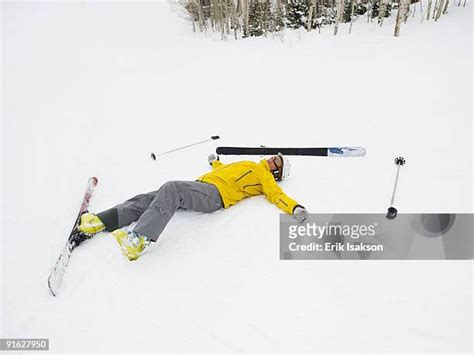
<point x="90" y="89"/>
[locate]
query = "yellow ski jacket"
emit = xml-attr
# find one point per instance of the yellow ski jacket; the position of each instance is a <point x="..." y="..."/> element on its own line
<point x="243" y="179"/>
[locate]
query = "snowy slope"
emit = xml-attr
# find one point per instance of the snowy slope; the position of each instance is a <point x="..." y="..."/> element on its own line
<point x="93" y="88"/>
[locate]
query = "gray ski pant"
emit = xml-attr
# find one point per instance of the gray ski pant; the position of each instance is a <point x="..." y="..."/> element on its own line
<point x="152" y="211"/>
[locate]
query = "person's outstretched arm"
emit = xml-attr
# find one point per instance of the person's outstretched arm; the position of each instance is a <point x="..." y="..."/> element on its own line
<point x="275" y="195"/>
<point x="214" y="161"/>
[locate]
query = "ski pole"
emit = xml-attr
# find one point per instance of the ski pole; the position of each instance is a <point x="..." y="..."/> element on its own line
<point x="153" y="155"/>
<point x="392" y="211"/>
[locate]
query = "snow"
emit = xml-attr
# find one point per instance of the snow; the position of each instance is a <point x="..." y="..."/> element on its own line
<point x="90" y="89"/>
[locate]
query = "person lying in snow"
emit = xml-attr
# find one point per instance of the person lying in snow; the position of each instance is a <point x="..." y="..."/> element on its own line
<point x="223" y="187"/>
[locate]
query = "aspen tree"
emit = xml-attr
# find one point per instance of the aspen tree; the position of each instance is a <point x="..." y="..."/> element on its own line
<point x="310" y="18"/>
<point x="340" y="7"/>
<point x="244" y="16"/>
<point x="434" y="9"/>
<point x="319" y="13"/>
<point x="439" y="10"/>
<point x="352" y="16"/>
<point x="371" y="9"/>
<point x="238" y="8"/>
<point x="401" y="14"/>
<point x="428" y="10"/>
<point x="245" y="10"/>
<point x="445" y="9"/>
<point x="381" y="15"/>
<point x="421" y="10"/>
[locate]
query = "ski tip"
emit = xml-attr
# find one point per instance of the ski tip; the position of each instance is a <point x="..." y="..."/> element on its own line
<point x="50" y="288"/>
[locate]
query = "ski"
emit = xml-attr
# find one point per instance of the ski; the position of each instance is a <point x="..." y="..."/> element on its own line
<point x="56" y="276"/>
<point x="319" y="152"/>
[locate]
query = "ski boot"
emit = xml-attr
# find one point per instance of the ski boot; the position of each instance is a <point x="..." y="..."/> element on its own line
<point x="131" y="244"/>
<point x="90" y="224"/>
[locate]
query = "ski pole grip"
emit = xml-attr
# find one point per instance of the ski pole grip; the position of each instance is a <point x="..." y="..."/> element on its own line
<point x="215" y="137"/>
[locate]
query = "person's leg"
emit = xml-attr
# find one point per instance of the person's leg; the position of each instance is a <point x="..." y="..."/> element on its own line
<point x="191" y="195"/>
<point x="126" y="212"/>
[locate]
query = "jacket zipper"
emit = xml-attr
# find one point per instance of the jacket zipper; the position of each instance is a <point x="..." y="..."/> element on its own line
<point x="248" y="172"/>
<point x="252" y="185"/>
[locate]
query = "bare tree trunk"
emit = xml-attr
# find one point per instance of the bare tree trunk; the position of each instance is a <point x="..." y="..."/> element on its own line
<point x="421" y="10"/>
<point x="368" y="12"/>
<point x="237" y="13"/>
<point x="445" y="9"/>
<point x="201" y="20"/>
<point x="235" y="31"/>
<point x="218" y="16"/>
<point x="228" y="24"/>
<point x="382" y="7"/>
<point x="402" y="12"/>
<point x="245" y="10"/>
<point x="319" y="12"/>
<point x="340" y="7"/>
<point x="238" y="8"/>
<point x="352" y="16"/>
<point x="310" y="18"/>
<point x="405" y="18"/>
<point x="429" y="10"/>
<point x="439" y="10"/>
<point x="434" y="9"/>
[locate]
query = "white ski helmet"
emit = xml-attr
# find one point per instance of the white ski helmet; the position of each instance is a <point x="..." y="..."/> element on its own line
<point x="282" y="173"/>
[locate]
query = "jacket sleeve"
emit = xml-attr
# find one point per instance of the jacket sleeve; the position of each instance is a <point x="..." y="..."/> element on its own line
<point x="275" y="194"/>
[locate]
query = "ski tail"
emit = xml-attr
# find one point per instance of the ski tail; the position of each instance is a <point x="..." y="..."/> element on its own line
<point x="56" y="275"/>
<point x="91" y="185"/>
<point x="346" y="152"/>
<point x="305" y="151"/>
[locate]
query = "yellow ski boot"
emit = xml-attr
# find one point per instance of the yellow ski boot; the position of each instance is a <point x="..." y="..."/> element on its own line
<point x="131" y="244"/>
<point x="90" y="224"/>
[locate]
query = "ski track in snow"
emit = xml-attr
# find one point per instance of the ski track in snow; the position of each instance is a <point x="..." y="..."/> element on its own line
<point x="91" y="89"/>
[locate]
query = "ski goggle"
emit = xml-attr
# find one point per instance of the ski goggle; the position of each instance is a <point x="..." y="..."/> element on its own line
<point x="278" y="172"/>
